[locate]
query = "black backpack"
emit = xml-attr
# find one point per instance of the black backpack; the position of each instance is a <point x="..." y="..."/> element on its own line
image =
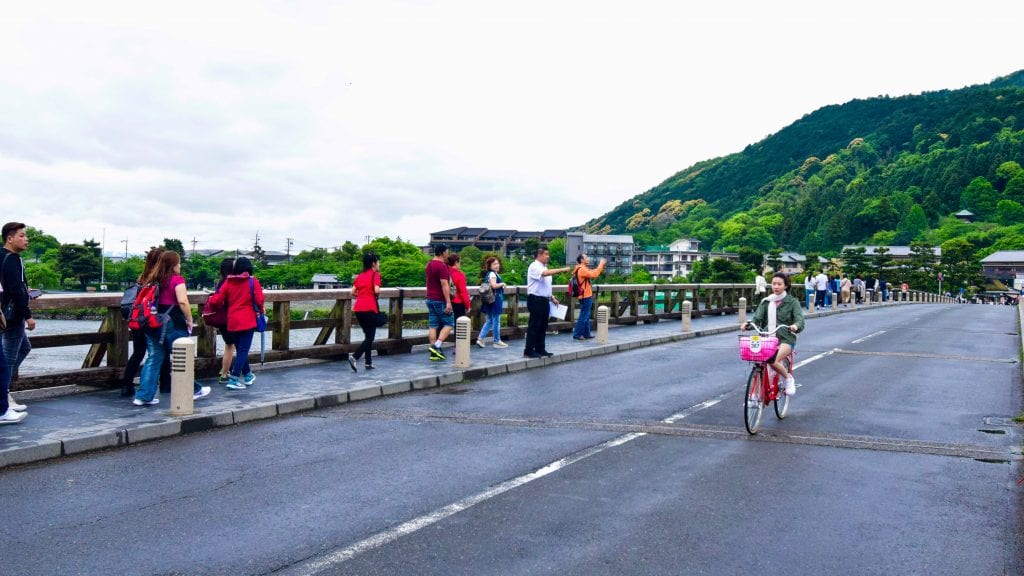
<point x="574" y="285"/>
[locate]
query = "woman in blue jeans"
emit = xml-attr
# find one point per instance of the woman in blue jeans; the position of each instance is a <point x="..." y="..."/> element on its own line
<point x="173" y="304"/>
<point x="243" y="295"/>
<point x="492" y="311"/>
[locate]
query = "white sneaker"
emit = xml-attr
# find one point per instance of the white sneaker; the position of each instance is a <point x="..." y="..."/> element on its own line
<point x="204" y="391"/>
<point x="500" y="344"/>
<point x="14" y="405"/>
<point x="480" y="343"/>
<point x="790" y="386"/>
<point x="12" y="417"/>
<point x="152" y="402"/>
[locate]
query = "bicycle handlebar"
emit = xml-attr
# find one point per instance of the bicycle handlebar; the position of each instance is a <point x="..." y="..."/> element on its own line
<point x="766" y="332"/>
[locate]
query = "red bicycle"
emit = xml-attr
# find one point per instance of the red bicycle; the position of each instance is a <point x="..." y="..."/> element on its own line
<point x="763" y="382"/>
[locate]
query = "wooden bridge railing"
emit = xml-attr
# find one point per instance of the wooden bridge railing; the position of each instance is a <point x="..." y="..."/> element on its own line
<point x="629" y="304"/>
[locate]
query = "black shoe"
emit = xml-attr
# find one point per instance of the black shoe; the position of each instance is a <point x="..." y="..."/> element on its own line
<point x="369" y="367"/>
<point x="589" y="337"/>
<point x="533" y="355"/>
<point x="579" y="337"/>
<point x="546" y="354"/>
<point x="352" y="363"/>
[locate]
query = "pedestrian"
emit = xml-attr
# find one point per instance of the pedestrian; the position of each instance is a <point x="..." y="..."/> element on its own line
<point x="821" y="288"/>
<point x="227" y="266"/>
<point x="869" y="289"/>
<point x="366" y="288"/>
<point x="14" y="299"/>
<point x="858" y="289"/>
<point x="459" y="291"/>
<point x="440" y="319"/>
<point x="809" y="289"/>
<point x="538" y="301"/>
<point x="492" y="311"/>
<point x="760" y="284"/>
<point x="8" y="415"/>
<point x="138" y="338"/>
<point x="883" y="288"/>
<point x="242" y="294"/>
<point x="173" y="306"/>
<point x="904" y="291"/>
<point x="584" y="274"/>
<point x="781" y="309"/>
<point x="844" y="289"/>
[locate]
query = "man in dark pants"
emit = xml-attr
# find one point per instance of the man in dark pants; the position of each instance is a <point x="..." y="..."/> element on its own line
<point x="15" y="298"/>
<point x="539" y="296"/>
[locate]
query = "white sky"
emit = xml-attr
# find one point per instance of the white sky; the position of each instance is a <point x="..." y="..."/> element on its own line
<point x="332" y="121"/>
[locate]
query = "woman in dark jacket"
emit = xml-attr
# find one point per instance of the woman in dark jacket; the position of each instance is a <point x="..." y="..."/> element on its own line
<point x="781" y="309"/>
<point x="243" y="295"/>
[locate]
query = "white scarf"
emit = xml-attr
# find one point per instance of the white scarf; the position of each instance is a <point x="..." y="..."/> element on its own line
<point x="772" y="301"/>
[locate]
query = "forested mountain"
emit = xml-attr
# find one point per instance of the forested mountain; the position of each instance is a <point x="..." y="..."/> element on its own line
<point x="880" y="171"/>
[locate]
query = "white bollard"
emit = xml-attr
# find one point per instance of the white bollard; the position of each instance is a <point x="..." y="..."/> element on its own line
<point x="810" y="308"/>
<point x="743" y="311"/>
<point x="183" y="377"/>
<point x="687" y="313"/>
<point x="835" y="301"/>
<point x="462" y="344"/>
<point x="602" y="324"/>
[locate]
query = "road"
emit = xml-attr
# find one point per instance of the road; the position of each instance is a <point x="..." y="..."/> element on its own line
<point x="896" y="457"/>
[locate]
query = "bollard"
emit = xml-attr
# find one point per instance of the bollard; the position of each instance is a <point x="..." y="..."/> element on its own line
<point x="183" y="377"/>
<point x="687" y="312"/>
<point x="810" y="308"/>
<point x="602" y="324"/>
<point x="743" y="311"/>
<point x="835" y="301"/>
<point x="462" y="342"/>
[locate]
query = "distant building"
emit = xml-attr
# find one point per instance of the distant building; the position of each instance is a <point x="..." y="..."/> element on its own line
<point x="965" y="215"/>
<point x="617" y="250"/>
<point x="504" y="242"/>
<point x="676" y="259"/>
<point x="1004" y="265"/>
<point x="328" y="282"/>
<point x="899" y="254"/>
<point x="270" y="257"/>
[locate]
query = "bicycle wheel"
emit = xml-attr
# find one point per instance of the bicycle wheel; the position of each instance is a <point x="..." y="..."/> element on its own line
<point x="782" y="401"/>
<point x="753" y="399"/>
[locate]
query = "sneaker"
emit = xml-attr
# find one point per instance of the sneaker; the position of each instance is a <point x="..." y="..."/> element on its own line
<point x="369" y="367"/>
<point x="14" y="404"/>
<point x="790" y="386"/>
<point x="500" y="344"/>
<point x="480" y="343"/>
<point x="752" y="402"/>
<point x="203" y="392"/>
<point x="436" y="354"/>
<point x="352" y="363"/>
<point x="152" y="402"/>
<point x="222" y="380"/>
<point x="12" y="417"/>
<point x="249" y="379"/>
<point x="234" y="384"/>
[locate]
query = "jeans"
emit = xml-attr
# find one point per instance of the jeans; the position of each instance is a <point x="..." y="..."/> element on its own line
<point x="16" y="347"/>
<point x="819" y="301"/>
<point x="583" y="323"/>
<point x="368" y="322"/>
<point x="537" y="328"/>
<point x="491" y="324"/>
<point x="155" y="354"/>
<point x="5" y="381"/>
<point x="243" y="342"/>
<point x="436" y="318"/>
<point x="131" y="369"/>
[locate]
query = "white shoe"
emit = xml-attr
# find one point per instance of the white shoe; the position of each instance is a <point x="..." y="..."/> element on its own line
<point x="14" y="405"/>
<point x="204" y="391"/>
<point x="500" y="344"/>
<point x="152" y="402"/>
<point x="790" y="386"/>
<point x="12" y="417"/>
<point x="480" y="343"/>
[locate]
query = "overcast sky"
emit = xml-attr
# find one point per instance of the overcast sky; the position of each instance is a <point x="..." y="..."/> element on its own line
<point x="331" y="121"/>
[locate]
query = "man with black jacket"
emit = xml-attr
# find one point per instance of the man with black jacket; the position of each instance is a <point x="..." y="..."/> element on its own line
<point x="14" y="299"/>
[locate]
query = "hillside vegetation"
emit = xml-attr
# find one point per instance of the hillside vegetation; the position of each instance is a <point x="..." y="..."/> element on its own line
<point x="877" y="171"/>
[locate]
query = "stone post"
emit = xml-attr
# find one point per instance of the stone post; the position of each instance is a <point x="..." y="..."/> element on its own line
<point x="462" y="343"/>
<point x="687" y="311"/>
<point x="743" y="311"/>
<point x="183" y="376"/>
<point x="602" y="324"/>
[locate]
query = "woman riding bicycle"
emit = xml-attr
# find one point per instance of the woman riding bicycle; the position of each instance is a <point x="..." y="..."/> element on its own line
<point x="781" y="309"/>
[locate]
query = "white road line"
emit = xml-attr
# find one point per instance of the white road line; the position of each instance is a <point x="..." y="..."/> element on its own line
<point x="859" y="340"/>
<point x="317" y="565"/>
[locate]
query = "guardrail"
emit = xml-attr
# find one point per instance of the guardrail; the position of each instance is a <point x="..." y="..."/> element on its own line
<point x="109" y="346"/>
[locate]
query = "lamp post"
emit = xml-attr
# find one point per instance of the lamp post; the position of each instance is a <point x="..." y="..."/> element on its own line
<point x="125" y="242"/>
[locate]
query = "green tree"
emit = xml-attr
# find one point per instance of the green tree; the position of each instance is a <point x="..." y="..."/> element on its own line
<point x="472" y="258"/>
<point x="176" y="245"/>
<point x="38" y="244"/>
<point x="530" y="246"/>
<point x="959" y="264"/>
<point x="881" y="262"/>
<point x="350" y="251"/>
<point x="78" y="262"/>
<point x="722" y="270"/>
<point x="913" y="225"/>
<point x="1014" y="189"/>
<point x="980" y="197"/>
<point x="39" y="275"/>
<point x="855" y="261"/>
<point x="920" y="270"/>
<point x="774" y="259"/>
<point x="639" y="275"/>
<point x="1009" y="213"/>
<point x="558" y="256"/>
<point x="751" y="257"/>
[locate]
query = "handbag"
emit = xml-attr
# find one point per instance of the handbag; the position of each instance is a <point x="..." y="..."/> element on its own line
<point x="216" y="315"/>
<point x="382" y="317"/>
<point x="261" y="318"/>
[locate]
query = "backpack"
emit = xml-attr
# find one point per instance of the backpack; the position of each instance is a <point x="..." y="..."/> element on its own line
<point x="128" y="300"/>
<point x="574" y="285"/>
<point x="486" y="292"/>
<point x="144" y="314"/>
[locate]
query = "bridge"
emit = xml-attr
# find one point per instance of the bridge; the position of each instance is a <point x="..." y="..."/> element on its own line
<point x="899" y="455"/>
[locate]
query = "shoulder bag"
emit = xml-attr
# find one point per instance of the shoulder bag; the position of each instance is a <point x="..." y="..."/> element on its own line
<point x="261" y="318"/>
<point x="382" y="317"/>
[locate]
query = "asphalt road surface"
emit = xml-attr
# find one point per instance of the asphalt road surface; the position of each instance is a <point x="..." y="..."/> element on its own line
<point x="897" y="457"/>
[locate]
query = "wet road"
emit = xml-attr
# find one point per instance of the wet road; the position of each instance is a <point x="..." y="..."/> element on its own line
<point x="896" y="457"/>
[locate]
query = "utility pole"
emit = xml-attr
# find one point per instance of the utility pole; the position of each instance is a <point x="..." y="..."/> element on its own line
<point x="194" y="242"/>
<point x="125" y="242"/>
<point x="288" y="248"/>
<point x="368" y="238"/>
<point x="103" y="245"/>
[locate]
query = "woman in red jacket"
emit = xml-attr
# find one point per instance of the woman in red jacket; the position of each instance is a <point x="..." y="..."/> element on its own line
<point x="366" y="287"/>
<point x="460" y="294"/>
<point x="242" y="294"/>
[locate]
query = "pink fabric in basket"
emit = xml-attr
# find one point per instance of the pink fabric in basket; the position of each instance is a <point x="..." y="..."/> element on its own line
<point x="769" y="345"/>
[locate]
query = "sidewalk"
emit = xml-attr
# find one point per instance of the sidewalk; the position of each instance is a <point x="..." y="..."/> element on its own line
<point x="62" y="426"/>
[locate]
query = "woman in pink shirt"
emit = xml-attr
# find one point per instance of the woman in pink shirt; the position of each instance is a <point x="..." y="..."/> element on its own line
<point x="366" y="288"/>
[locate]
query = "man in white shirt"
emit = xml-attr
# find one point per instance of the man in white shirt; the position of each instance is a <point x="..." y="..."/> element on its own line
<point x="820" y="287"/>
<point x="538" y="297"/>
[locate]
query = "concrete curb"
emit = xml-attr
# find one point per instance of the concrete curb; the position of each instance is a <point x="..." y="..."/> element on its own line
<point x="145" y="432"/>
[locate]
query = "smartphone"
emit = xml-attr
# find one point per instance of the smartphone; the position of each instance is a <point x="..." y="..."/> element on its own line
<point x="34" y="293"/>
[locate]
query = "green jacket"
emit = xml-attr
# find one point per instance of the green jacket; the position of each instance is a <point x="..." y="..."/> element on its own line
<point x="788" y="313"/>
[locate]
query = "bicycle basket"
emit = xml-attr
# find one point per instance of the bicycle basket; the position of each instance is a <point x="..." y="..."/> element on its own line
<point x="758" y="348"/>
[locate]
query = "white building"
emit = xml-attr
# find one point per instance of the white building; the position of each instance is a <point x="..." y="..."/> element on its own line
<point x="676" y="259"/>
